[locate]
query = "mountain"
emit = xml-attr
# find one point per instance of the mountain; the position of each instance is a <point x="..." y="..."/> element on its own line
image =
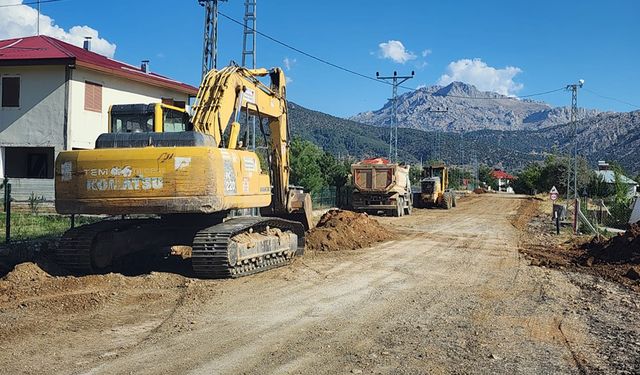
<point x="605" y="136"/>
<point x="467" y="108"/>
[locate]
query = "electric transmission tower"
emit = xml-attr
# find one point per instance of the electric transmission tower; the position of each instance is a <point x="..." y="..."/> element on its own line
<point x="210" y="39"/>
<point x="249" y="37"/>
<point x="437" y="146"/>
<point x="572" y="175"/>
<point x="572" y="167"/>
<point x="249" y="51"/>
<point x="396" y="81"/>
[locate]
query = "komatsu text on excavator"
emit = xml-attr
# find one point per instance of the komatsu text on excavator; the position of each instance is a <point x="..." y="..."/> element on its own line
<point x="189" y="184"/>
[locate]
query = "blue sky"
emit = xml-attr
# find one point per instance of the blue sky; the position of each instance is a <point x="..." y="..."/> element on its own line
<point x="516" y="47"/>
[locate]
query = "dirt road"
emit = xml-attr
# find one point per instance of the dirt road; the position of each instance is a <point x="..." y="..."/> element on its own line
<point x="453" y="296"/>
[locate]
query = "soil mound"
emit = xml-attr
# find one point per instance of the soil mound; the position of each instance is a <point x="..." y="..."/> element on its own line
<point x="621" y="249"/>
<point x="25" y="272"/>
<point x="346" y="230"/>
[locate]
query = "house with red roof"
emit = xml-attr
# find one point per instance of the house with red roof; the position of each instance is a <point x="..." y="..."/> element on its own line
<point x="56" y="96"/>
<point x="504" y="180"/>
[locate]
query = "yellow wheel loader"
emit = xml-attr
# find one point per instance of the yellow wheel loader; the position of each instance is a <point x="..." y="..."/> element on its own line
<point x="188" y="184"/>
<point x="434" y="188"/>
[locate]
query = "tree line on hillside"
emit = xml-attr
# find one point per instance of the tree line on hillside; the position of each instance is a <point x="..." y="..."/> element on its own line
<point x="601" y="137"/>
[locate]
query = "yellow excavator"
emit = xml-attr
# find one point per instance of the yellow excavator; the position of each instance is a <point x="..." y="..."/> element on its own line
<point x="191" y="186"/>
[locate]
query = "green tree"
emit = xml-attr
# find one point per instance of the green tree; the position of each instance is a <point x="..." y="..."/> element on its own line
<point x="554" y="173"/>
<point x="456" y="177"/>
<point x="528" y="181"/>
<point x="620" y="207"/>
<point x="415" y="175"/>
<point x="305" y="166"/>
<point x="485" y="176"/>
<point x="598" y="188"/>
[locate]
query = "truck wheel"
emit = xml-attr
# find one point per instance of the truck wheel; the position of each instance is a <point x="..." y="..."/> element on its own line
<point x="417" y="200"/>
<point x="408" y="209"/>
<point x="446" y="201"/>
<point x="398" y="211"/>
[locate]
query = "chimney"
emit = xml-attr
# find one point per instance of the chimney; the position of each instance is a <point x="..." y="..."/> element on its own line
<point x="603" y="166"/>
<point x="144" y="66"/>
<point x="87" y="43"/>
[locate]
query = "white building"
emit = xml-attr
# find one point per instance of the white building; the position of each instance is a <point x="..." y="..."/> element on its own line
<point x="608" y="176"/>
<point x="56" y="96"/>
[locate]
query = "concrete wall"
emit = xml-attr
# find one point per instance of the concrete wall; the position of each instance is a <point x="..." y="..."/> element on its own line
<point x="39" y="119"/>
<point x="21" y="189"/>
<point x="85" y="126"/>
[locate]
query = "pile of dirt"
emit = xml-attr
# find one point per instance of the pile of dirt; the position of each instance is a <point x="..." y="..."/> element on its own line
<point x="621" y="249"/>
<point x="24" y="273"/>
<point x="345" y="230"/>
<point x="479" y="190"/>
<point x="617" y="259"/>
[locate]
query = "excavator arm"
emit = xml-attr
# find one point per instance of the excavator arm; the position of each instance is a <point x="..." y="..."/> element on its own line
<point x="225" y="94"/>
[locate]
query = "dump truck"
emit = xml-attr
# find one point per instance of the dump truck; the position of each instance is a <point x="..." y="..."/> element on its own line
<point x="381" y="187"/>
<point x="434" y="188"/>
<point x="188" y="184"/>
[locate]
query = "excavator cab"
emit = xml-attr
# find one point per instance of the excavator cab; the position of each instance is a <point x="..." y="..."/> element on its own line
<point x="148" y="118"/>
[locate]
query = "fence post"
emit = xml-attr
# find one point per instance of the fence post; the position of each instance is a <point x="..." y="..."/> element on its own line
<point x="73" y="221"/>
<point x="7" y="207"/>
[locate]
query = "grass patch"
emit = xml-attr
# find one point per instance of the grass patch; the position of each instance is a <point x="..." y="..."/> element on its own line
<point x="29" y="226"/>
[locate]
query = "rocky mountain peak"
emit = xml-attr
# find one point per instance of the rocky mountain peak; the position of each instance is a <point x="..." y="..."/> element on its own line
<point x="458" y="89"/>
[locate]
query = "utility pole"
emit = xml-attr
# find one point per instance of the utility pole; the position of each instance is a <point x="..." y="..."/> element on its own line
<point x="249" y="51"/>
<point x="38" y="25"/>
<point x="572" y="168"/>
<point x="396" y="81"/>
<point x="210" y="39"/>
<point x="462" y="164"/>
<point x="438" y="139"/>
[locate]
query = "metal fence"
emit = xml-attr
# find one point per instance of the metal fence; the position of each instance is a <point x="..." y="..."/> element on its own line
<point x="33" y="217"/>
<point x="332" y="197"/>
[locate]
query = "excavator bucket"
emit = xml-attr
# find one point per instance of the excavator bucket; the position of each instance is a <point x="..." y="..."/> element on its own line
<point x="300" y="208"/>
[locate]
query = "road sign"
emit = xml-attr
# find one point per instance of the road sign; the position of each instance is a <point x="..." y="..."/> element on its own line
<point x="553" y="194"/>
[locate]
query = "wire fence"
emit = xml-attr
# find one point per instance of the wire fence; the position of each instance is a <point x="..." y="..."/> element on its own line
<point x="331" y="196"/>
<point x="35" y="218"/>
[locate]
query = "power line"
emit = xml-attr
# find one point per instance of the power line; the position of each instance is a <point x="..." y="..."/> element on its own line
<point x="304" y="53"/>
<point x="30" y="3"/>
<point x="361" y="75"/>
<point x="610" y="98"/>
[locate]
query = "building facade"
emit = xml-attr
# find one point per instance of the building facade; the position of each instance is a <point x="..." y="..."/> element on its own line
<point x="56" y="96"/>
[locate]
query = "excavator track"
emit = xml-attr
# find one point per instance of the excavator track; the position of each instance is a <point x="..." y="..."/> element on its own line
<point x="211" y="257"/>
<point x="74" y="249"/>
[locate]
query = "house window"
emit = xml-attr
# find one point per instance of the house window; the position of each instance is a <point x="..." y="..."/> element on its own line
<point x="92" y="96"/>
<point x="11" y="92"/>
<point x="29" y="162"/>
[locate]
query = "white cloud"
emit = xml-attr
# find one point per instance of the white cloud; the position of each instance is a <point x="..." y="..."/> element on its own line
<point x="426" y="53"/>
<point x="483" y="76"/>
<point x="288" y="80"/>
<point x="21" y="21"/>
<point x="289" y="63"/>
<point x="395" y="50"/>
